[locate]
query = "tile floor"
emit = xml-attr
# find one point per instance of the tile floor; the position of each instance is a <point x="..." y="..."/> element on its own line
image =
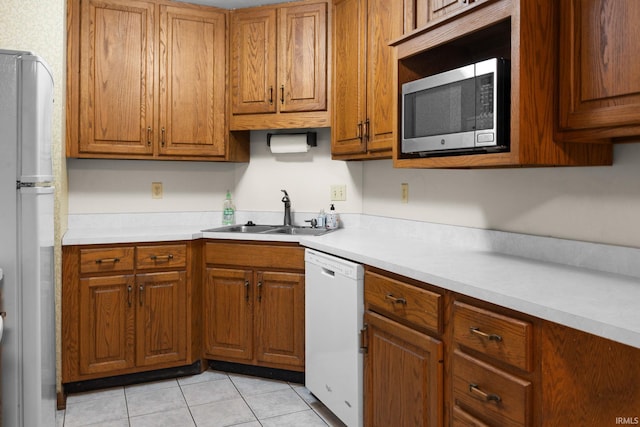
<point x="212" y="398"/>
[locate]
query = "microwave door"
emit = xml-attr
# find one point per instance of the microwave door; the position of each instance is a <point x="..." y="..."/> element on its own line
<point x="440" y="118"/>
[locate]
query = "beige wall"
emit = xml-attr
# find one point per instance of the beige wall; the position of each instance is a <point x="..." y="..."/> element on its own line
<point x="39" y="26"/>
<point x="597" y="204"/>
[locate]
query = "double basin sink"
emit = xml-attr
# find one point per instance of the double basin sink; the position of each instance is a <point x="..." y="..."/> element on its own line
<point x="250" y="227"/>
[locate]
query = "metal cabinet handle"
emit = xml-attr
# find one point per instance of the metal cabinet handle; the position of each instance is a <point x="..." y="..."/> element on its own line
<point x="140" y="295"/>
<point x="260" y="291"/>
<point x="359" y="133"/>
<point x="395" y="300"/>
<point x="161" y="257"/>
<point x="149" y="136"/>
<point x="490" y="337"/>
<point x="246" y="290"/>
<point x="163" y="131"/>
<point x="282" y="94"/>
<point x="487" y="397"/>
<point x="270" y="95"/>
<point x="129" y="289"/>
<point x="107" y="260"/>
<point x="366" y="129"/>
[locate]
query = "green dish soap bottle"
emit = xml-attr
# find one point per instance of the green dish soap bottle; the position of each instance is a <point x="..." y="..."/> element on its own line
<point x="228" y="211"/>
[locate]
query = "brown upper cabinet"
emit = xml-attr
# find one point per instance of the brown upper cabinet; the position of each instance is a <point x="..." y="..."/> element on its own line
<point x="421" y="13"/>
<point x="147" y="79"/>
<point x="525" y="33"/>
<point x="599" y="79"/>
<point x="364" y="123"/>
<point x="279" y="73"/>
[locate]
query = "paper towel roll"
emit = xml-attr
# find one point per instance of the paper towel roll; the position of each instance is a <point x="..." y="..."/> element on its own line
<point x="289" y="143"/>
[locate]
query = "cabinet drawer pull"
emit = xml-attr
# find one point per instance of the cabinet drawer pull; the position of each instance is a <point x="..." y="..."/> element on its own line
<point x="395" y="300"/>
<point x="107" y="260"/>
<point x="490" y="337"/>
<point x="487" y="397"/>
<point x="161" y="257"/>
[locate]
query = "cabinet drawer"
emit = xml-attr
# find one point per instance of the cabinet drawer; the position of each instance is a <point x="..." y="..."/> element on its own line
<point x="489" y="393"/>
<point x="161" y="256"/>
<point x="106" y="259"/>
<point x="254" y="255"/>
<point x="463" y="419"/>
<point x="407" y="302"/>
<point x="504" y="338"/>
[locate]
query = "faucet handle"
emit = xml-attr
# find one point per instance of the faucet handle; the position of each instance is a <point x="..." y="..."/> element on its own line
<point x="313" y="221"/>
<point x="286" y="196"/>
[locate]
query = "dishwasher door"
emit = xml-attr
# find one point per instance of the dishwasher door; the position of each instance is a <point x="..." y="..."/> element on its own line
<point x="334" y="309"/>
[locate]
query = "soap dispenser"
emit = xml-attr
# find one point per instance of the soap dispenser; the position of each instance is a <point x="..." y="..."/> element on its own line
<point x="228" y="211"/>
<point x="332" y="220"/>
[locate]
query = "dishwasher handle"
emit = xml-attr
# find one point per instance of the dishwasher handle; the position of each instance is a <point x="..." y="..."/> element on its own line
<point x="328" y="272"/>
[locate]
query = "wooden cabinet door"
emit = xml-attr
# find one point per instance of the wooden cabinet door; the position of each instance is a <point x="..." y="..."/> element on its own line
<point x="280" y="318"/>
<point x="440" y="8"/>
<point x="253" y="61"/>
<point x="599" y="65"/>
<point x="117" y="79"/>
<point x="192" y="82"/>
<point x="349" y="94"/>
<point x="161" y="324"/>
<point x="106" y="324"/>
<point x="385" y="23"/>
<point x="403" y="375"/>
<point x="302" y="53"/>
<point x="228" y="314"/>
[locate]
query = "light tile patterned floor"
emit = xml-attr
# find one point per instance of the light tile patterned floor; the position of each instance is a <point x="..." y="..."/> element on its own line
<point x="210" y="399"/>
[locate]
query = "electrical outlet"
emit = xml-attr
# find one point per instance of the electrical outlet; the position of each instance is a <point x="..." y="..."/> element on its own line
<point x="405" y="192"/>
<point x="156" y="190"/>
<point x="338" y="193"/>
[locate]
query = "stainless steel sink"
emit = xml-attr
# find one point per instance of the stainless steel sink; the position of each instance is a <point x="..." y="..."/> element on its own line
<point x="297" y="230"/>
<point x="247" y="228"/>
<point x="270" y="229"/>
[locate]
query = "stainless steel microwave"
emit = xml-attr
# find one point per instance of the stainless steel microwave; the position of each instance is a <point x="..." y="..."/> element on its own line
<point x="460" y="111"/>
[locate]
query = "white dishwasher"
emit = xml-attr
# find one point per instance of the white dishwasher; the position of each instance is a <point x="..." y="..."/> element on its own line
<point x="334" y="309"/>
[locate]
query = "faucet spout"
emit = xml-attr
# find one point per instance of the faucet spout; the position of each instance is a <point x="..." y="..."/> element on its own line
<point x="287" y="208"/>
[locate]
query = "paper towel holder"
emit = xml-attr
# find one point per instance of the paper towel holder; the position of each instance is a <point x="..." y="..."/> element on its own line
<point x="311" y="137"/>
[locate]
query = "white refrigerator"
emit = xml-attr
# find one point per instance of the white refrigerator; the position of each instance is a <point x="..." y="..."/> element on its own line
<point x="26" y="242"/>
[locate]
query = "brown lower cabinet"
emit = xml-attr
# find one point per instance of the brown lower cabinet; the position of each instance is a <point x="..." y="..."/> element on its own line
<point x="438" y="358"/>
<point x="126" y="309"/>
<point x="253" y="302"/>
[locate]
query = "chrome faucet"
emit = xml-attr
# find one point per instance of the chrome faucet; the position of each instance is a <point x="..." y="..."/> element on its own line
<point x="287" y="208"/>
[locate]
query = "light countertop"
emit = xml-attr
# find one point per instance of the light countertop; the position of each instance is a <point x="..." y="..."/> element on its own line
<point x="602" y="303"/>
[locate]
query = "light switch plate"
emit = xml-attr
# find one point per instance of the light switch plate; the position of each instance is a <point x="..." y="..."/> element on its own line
<point x="156" y="190"/>
<point x="338" y="193"/>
